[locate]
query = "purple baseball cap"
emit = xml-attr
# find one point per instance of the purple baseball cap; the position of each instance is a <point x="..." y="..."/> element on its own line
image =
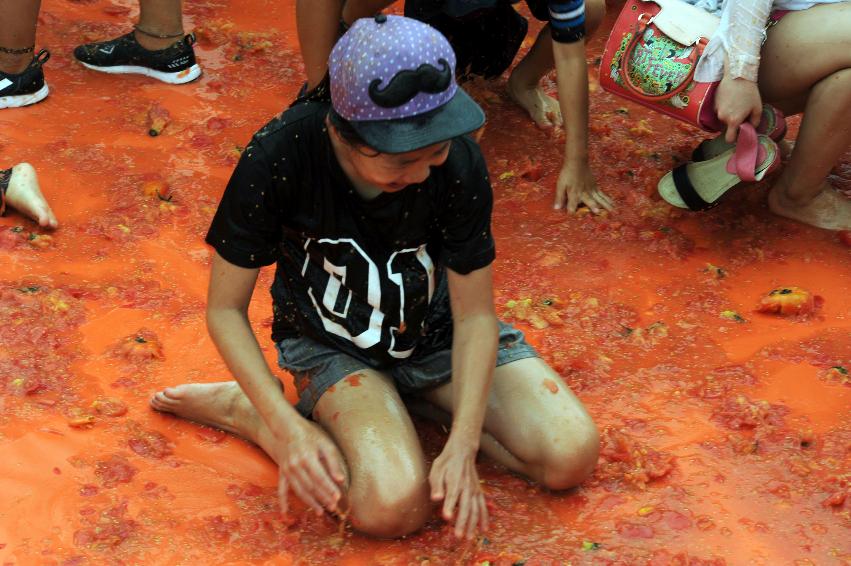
<point x="393" y="79"/>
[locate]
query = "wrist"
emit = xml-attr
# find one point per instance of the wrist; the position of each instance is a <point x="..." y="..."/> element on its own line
<point x="463" y="442"/>
<point x="575" y="161"/>
<point x="282" y="421"/>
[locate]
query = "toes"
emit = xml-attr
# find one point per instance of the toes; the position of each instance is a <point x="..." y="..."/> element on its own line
<point x="162" y="402"/>
<point x="157" y="401"/>
<point x="171" y="393"/>
<point x="51" y="221"/>
<point x="46" y="218"/>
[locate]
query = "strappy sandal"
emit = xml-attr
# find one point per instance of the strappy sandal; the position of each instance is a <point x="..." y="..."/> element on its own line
<point x="699" y="186"/>
<point x="772" y="124"/>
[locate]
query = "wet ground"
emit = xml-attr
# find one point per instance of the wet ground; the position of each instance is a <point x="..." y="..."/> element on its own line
<point x="727" y="431"/>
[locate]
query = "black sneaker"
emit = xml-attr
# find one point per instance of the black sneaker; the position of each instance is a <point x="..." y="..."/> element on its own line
<point x="26" y="87"/>
<point x="174" y="64"/>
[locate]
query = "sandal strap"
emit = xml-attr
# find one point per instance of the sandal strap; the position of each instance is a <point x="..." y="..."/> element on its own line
<point x="745" y="158"/>
<point x="687" y="191"/>
<point x="697" y="155"/>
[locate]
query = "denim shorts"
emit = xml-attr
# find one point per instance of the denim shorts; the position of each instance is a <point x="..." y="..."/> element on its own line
<point x="315" y="367"/>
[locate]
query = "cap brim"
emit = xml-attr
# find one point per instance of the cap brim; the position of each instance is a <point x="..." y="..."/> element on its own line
<point x="461" y="115"/>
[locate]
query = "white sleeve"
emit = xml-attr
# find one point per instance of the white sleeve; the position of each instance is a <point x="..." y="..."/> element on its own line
<point x="739" y="37"/>
<point x="746" y="35"/>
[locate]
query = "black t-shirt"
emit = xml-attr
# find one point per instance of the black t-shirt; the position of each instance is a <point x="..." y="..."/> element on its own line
<point x="366" y="277"/>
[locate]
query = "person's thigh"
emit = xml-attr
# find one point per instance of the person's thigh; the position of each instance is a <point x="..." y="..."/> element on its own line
<point x="803" y="48"/>
<point x="388" y="482"/>
<point x="534" y="415"/>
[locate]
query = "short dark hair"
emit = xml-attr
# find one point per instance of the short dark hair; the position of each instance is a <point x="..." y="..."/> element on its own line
<point x="349" y="134"/>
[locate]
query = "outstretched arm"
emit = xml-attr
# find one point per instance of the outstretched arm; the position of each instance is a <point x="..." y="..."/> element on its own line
<point x="576" y="183"/>
<point x="308" y="461"/>
<point x="453" y="476"/>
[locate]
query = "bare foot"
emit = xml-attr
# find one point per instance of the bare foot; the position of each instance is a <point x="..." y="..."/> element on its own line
<point x="543" y="108"/>
<point x="24" y="195"/>
<point x="830" y="209"/>
<point x="221" y="405"/>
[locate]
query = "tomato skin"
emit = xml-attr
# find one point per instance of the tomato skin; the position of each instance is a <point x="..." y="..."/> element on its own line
<point x="150" y="444"/>
<point x="109" y="407"/>
<point x="114" y="471"/>
<point x="789" y="300"/>
<point x="844" y="237"/>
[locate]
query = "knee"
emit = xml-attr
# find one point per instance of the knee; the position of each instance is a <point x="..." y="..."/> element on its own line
<point x="569" y="457"/>
<point x="388" y="507"/>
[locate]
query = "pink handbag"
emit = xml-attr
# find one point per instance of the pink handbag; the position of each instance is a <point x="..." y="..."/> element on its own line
<point x="651" y="56"/>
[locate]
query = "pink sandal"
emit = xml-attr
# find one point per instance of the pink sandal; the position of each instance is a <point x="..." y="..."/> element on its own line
<point x="772" y="124"/>
<point x="699" y="186"/>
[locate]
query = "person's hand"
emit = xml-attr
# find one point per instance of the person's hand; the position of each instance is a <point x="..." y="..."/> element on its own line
<point x="310" y="464"/>
<point x="737" y="101"/>
<point x="576" y="185"/>
<point x="455" y="481"/>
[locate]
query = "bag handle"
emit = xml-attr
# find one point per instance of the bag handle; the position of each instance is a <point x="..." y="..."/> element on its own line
<point x="640" y="28"/>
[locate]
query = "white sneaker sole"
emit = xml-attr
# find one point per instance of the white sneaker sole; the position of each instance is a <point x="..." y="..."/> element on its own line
<point x="184" y="76"/>
<point x="24" y="99"/>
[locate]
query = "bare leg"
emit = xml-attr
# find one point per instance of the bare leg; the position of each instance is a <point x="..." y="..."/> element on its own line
<point x="18" y="19"/>
<point x="798" y="68"/>
<point x="24" y="195"/>
<point x="161" y="17"/>
<point x="524" y="83"/>
<point x="388" y="490"/>
<point x="221" y="405"/>
<point x="534" y="425"/>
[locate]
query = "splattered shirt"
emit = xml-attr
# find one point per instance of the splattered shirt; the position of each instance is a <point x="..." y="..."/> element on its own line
<point x="366" y="277"/>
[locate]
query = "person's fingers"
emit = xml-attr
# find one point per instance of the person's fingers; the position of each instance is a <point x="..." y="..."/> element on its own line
<point x="572" y="201"/>
<point x="605" y="201"/>
<point x="473" y="520"/>
<point x="601" y="203"/>
<point x="483" y="508"/>
<point x="732" y="129"/>
<point x="756" y="115"/>
<point x="560" y="197"/>
<point x="283" y="492"/>
<point x="334" y="464"/>
<point x="591" y="203"/>
<point x="438" y="489"/>
<point x="451" y="499"/>
<point x="302" y="490"/>
<point x="324" y="488"/>
<point x="302" y="476"/>
<point x="461" y="520"/>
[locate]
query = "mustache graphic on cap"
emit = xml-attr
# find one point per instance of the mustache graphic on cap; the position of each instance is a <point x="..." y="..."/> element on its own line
<point x="406" y="84"/>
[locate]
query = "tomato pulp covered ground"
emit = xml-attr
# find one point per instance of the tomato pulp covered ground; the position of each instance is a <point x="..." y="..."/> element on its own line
<point x="726" y="431"/>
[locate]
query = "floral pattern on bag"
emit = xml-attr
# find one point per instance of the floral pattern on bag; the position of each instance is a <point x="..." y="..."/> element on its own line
<point x="658" y="65"/>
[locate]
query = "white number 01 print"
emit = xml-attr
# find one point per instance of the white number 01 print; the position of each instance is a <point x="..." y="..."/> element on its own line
<point x="357" y="275"/>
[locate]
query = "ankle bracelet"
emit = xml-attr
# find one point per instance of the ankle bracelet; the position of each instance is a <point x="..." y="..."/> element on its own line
<point x="157" y="35"/>
<point x="22" y="51"/>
